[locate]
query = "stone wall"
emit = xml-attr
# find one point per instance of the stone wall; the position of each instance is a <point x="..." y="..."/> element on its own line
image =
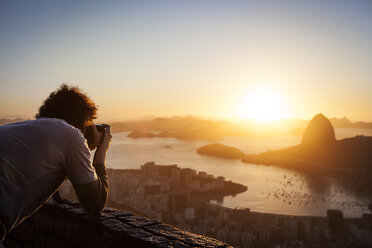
<point x="68" y="225"/>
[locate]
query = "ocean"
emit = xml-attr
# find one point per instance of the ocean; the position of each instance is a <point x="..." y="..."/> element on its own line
<point x="270" y="189"/>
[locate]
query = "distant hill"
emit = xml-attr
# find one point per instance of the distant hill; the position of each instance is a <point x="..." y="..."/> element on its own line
<point x="191" y="128"/>
<point x="319" y="131"/>
<point x="184" y="128"/>
<point x="346" y="123"/>
<point x="7" y="121"/>
<point x="138" y="134"/>
<point x="320" y="149"/>
<point x="219" y="150"/>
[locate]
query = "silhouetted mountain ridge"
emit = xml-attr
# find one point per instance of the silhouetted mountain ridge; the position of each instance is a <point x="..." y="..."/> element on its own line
<point x="320" y="148"/>
<point x="318" y="131"/>
<point x="191" y="127"/>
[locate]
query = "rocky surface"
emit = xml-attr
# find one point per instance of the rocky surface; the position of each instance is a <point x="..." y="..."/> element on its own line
<point x="68" y="225"/>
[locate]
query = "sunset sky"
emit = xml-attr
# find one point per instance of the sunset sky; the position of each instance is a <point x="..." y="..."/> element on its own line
<point x="227" y="59"/>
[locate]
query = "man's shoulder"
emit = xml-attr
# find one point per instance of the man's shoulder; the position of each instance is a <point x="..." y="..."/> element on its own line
<point x="47" y="124"/>
<point x="45" y="129"/>
<point x="52" y="121"/>
<point x="54" y="127"/>
<point x="55" y="124"/>
<point x="62" y="127"/>
<point x="64" y="133"/>
<point x="41" y="121"/>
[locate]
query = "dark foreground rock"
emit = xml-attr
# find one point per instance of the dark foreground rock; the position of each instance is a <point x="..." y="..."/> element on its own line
<point x="68" y="225"/>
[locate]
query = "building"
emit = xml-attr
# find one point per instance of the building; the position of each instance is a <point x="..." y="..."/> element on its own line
<point x="335" y="222"/>
<point x="178" y="201"/>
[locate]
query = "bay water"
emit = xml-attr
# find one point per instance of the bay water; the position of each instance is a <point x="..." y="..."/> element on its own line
<point x="270" y="189"/>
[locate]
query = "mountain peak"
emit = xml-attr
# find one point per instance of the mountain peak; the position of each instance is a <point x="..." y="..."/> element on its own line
<point x="319" y="131"/>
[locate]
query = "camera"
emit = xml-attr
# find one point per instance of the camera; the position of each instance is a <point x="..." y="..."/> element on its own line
<point x="94" y="134"/>
<point x="100" y="127"/>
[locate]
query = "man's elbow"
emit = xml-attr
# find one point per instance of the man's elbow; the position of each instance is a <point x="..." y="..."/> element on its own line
<point x="95" y="208"/>
<point x="97" y="205"/>
<point x="93" y="196"/>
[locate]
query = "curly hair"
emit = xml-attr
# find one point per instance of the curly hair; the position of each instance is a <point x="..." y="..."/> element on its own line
<point x="70" y="104"/>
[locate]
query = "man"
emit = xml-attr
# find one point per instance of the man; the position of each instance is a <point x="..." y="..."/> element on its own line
<point x="36" y="156"/>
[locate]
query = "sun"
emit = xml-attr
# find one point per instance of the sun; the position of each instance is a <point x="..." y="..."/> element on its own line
<point x="262" y="104"/>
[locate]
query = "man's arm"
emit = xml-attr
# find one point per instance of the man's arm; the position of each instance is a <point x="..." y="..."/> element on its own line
<point x="93" y="195"/>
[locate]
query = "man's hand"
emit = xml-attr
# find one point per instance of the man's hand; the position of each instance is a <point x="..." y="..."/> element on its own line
<point x="100" y="155"/>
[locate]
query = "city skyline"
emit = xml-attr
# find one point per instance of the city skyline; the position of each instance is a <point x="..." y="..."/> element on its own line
<point x="261" y="60"/>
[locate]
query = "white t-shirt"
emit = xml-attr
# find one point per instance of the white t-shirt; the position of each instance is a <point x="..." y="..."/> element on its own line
<point x="35" y="158"/>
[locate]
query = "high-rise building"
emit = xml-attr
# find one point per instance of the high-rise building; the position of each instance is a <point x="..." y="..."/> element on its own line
<point x="178" y="201"/>
<point x="335" y="219"/>
<point x="186" y="177"/>
<point x="175" y="178"/>
<point x="152" y="189"/>
<point x="241" y="214"/>
<point x="335" y="222"/>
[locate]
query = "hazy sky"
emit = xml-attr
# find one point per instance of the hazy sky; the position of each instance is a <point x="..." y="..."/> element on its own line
<point x="163" y="58"/>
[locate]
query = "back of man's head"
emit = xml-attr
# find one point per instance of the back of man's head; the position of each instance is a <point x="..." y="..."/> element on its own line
<point x="70" y="104"/>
